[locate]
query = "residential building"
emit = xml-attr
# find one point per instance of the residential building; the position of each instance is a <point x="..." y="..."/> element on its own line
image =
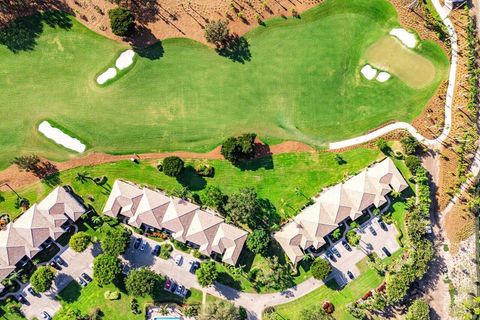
<point x="182" y="220"/>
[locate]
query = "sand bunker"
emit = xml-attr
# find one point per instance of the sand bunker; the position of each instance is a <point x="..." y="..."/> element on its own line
<point x="368" y="72"/>
<point x="405" y="37"/>
<point x="383" y="76"/>
<point x="60" y="137"/>
<point x="125" y="60"/>
<point x="391" y="55"/>
<point x="107" y="75"/>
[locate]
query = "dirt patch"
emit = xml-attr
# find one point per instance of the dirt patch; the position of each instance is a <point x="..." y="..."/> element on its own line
<point x="16" y="178"/>
<point x="459" y="225"/>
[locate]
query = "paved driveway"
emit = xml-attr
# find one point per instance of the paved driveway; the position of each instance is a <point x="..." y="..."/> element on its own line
<point x="76" y="263"/>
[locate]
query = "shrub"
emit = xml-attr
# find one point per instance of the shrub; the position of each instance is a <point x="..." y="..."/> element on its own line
<point x="134" y="306"/>
<point x="204" y="170"/>
<point x="180" y="246"/>
<point x="216" y="32"/>
<point x="413" y="164"/>
<point x="353" y="238"/>
<point x="122" y="21"/>
<point x="165" y="251"/>
<point x="42" y="278"/>
<point x="320" y="268"/>
<point x="111" y="295"/>
<point x="382" y="145"/>
<point x="409" y="145"/>
<point x="173" y="166"/>
<point x="418" y="310"/>
<point x="79" y="241"/>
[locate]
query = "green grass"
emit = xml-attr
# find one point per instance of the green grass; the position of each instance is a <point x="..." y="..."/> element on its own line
<point x="302" y="83"/>
<point x="274" y="178"/>
<point x="88" y="298"/>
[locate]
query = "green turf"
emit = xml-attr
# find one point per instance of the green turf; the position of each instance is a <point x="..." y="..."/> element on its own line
<point x="302" y="83"/>
<point x="275" y="178"/>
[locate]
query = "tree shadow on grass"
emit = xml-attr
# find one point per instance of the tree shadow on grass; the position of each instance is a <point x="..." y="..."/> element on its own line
<point x="236" y="49"/>
<point x="71" y="293"/>
<point x="21" y="34"/>
<point x="265" y="162"/>
<point x="226" y="279"/>
<point x="190" y="179"/>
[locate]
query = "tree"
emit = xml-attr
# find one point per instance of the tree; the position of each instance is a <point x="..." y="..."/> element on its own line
<point x="116" y="241"/>
<point x="217" y="33"/>
<point x="409" y="145"/>
<point x="336" y="234"/>
<point x="382" y="145"/>
<point x="238" y="148"/>
<point x="28" y="163"/>
<point x="42" y="278"/>
<point x="214" y="198"/>
<point x="79" y="241"/>
<point x="122" y="21"/>
<point x="207" y="273"/>
<point x="243" y="206"/>
<point x="141" y="282"/>
<point x="106" y="268"/>
<point x="320" y="268"/>
<point x="413" y="163"/>
<point x="220" y="310"/>
<point x="418" y="310"/>
<point x="315" y="312"/>
<point x="173" y="166"/>
<point x="258" y="241"/>
<point x="277" y="276"/>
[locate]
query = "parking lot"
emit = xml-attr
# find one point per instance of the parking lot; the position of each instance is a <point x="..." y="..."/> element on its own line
<point x="369" y="243"/>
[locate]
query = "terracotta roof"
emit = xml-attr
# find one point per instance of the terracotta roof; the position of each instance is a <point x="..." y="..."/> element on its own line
<point x="185" y="220"/>
<point x="338" y="203"/>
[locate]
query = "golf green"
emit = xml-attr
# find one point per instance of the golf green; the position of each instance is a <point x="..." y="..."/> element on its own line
<point x="300" y="80"/>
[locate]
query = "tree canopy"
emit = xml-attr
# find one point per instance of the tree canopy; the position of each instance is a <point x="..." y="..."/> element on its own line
<point x="122" y="21"/>
<point x="106" y="268"/>
<point x="244" y="207"/>
<point x="216" y="32"/>
<point x="116" y="241"/>
<point x="315" y="312"/>
<point x="79" y="241"/>
<point x="320" y="268"/>
<point x="418" y="310"/>
<point x="258" y="241"/>
<point x="141" y="282"/>
<point x="214" y="198"/>
<point x="409" y="145"/>
<point x="239" y="148"/>
<point x="220" y="310"/>
<point x="42" y="278"/>
<point x="207" y="273"/>
<point x="173" y="166"/>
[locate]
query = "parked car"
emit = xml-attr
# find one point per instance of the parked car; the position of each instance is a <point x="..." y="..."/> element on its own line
<point x="137" y="243"/>
<point x="346" y="245"/>
<point x="86" y="277"/>
<point x="194" y="265"/>
<point x="60" y="261"/>
<point x="168" y="284"/>
<point x="21" y="299"/>
<point x="173" y="287"/>
<point x="372" y="230"/>
<point x="54" y="265"/>
<point x="81" y="282"/>
<point x="335" y="252"/>
<point x="143" y="246"/>
<point x="179" y="291"/>
<point x="178" y="259"/>
<point x="156" y="250"/>
<point x="386" y="251"/>
<point x="382" y="225"/>
<point x="45" y="316"/>
<point x="350" y="275"/>
<point x="330" y="256"/>
<point x="32" y="291"/>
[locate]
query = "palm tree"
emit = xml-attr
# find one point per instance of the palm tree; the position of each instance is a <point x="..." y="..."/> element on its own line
<point x="97" y="220"/>
<point x="163" y="310"/>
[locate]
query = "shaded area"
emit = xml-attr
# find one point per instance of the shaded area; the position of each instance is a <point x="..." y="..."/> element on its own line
<point x="236" y="49"/>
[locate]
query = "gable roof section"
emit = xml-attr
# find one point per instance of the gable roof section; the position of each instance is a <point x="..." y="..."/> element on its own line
<point x="124" y="199"/>
<point x="59" y="203"/>
<point x="151" y="209"/>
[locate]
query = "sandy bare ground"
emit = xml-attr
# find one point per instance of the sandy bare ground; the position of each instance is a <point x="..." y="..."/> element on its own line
<point x="16" y="178"/>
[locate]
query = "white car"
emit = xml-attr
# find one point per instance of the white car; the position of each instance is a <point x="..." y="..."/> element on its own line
<point x="178" y="259"/>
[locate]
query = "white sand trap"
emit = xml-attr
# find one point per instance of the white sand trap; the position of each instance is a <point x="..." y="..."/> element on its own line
<point x="368" y="72"/>
<point x="405" y="37"/>
<point x="125" y="60"/>
<point x="60" y="137"/>
<point x="107" y="75"/>
<point x="383" y="76"/>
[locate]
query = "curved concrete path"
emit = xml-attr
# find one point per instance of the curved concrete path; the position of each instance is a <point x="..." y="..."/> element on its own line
<point x="431" y="143"/>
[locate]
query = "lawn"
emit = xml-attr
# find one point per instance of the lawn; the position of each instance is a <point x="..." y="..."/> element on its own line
<point x="88" y="298"/>
<point x="287" y="180"/>
<point x="302" y="82"/>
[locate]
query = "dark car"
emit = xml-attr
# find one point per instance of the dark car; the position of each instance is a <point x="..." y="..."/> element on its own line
<point x="156" y="250"/>
<point x="137" y="243"/>
<point x="346" y="245"/>
<point x="21" y="299"/>
<point x="32" y="291"/>
<point x="194" y="265"/>
<point x="383" y="225"/>
<point x="86" y="277"/>
<point x="372" y="230"/>
<point x="60" y="261"/>
<point x="54" y="265"/>
<point x="335" y="252"/>
<point x="350" y="275"/>
<point x="386" y="252"/>
<point x="173" y="287"/>
<point x="330" y="256"/>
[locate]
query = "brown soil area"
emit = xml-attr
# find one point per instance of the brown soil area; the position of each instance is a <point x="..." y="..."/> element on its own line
<point x="16" y="178"/>
<point x="459" y="225"/>
<point x="462" y="121"/>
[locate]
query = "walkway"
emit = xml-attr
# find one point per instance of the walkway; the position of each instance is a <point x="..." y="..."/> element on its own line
<point x="431" y="143"/>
